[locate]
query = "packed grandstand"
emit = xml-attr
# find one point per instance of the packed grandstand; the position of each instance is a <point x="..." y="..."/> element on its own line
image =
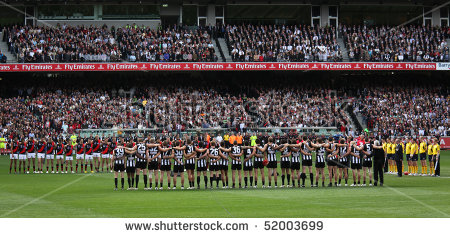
<point x="245" y="43"/>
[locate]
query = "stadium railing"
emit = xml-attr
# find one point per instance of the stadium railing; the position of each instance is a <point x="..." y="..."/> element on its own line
<point x="212" y="131"/>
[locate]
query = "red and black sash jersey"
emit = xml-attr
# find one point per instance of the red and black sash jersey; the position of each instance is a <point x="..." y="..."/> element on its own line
<point x="49" y="148"/>
<point x="88" y="148"/>
<point x="41" y="147"/>
<point x="59" y="149"/>
<point x="112" y="146"/>
<point x="96" y="145"/>
<point x="69" y="150"/>
<point x="15" y="147"/>
<point x="80" y="149"/>
<point x="22" y="149"/>
<point x="104" y="149"/>
<point x="30" y="147"/>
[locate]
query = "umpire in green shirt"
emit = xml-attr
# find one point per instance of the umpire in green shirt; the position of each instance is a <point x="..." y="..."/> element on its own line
<point x="253" y="140"/>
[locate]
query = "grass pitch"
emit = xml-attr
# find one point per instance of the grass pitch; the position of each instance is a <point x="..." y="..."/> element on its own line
<point x="92" y="195"/>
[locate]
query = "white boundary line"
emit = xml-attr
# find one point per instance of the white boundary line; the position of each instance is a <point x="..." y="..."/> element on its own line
<point x="421" y="203"/>
<point x="43" y="196"/>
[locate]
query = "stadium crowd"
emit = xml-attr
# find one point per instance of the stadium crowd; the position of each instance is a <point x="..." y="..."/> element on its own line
<point x="409" y="43"/>
<point x="65" y="43"/>
<point x="272" y="43"/>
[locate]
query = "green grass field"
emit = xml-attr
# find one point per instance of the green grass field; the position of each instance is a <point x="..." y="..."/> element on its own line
<point x="92" y="195"/>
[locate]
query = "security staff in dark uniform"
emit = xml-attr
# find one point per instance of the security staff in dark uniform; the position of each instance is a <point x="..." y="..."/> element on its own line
<point x="378" y="163"/>
<point x="399" y="157"/>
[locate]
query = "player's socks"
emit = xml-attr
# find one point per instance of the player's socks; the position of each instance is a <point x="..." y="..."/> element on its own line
<point x="240" y="186"/>
<point x="198" y="181"/>
<point x="34" y="168"/>
<point x="122" y="181"/>
<point x="205" y="178"/>
<point x="251" y="181"/>
<point x="311" y="178"/>
<point x="132" y="182"/>
<point x="76" y="168"/>
<point x="282" y="179"/>
<point x="370" y="181"/>
<point x="270" y="183"/>
<point x="85" y="167"/>
<point x="323" y="184"/>
<point x="288" y="179"/>
<point x="129" y="182"/>
<point x="227" y="183"/>
<point x="346" y="181"/>
<point x="115" y="182"/>
<point x="245" y="181"/>
<point x="145" y="181"/>
<point x="276" y="183"/>
<point x="317" y="184"/>
<point x="137" y="181"/>
<point x="234" y="185"/>
<point x="303" y="177"/>
<point x="217" y="181"/>
<point x="211" y="180"/>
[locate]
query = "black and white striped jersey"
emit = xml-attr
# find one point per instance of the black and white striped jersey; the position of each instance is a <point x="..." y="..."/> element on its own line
<point x="258" y="152"/>
<point x="178" y="154"/>
<point x="369" y="149"/>
<point x="320" y="154"/>
<point x="201" y="162"/>
<point x="152" y="151"/>
<point x="306" y="150"/>
<point x="119" y="154"/>
<point x="223" y="161"/>
<point x="236" y="150"/>
<point x="342" y="152"/>
<point x="247" y="153"/>
<point x="331" y="147"/>
<point x="295" y="156"/>
<point x="166" y="161"/>
<point x="285" y="152"/>
<point x="141" y="149"/>
<point x="271" y="152"/>
<point x="355" y="160"/>
<point x="131" y="162"/>
<point x="214" y="152"/>
<point x="189" y="150"/>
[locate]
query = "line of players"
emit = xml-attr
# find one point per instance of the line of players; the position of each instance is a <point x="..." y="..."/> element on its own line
<point x="59" y="153"/>
<point x="158" y="157"/>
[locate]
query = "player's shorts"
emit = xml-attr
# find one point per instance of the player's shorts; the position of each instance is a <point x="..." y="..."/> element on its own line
<point x="331" y="161"/>
<point x="49" y="156"/>
<point x="307" y="162"/>
<point x="141" y="165"/>
<point x="272" y="165"/>
<point x="96" y="155"/>
<point x="41" y="156"/>
<point x="258" y="165"/>
<point x="79" y="156"/>
<point x="430" y="158"/>
<point x="224" y="167"/>
<point x="31" y="155"/>
<point x="119" y="167"/>
<point x="320" y="165"/>
<point x="356" y="166"/>
<point x="105" y="156"/>
<point x="423" y="156"/>
<point x="178" y="168"/>
<point x="367" y="164"/>
<point x="165" y="167"/>
<point x="408" y="157"/>
<point x="343" y="164"/>
<point x="153" y="165"/>
<point x="285" y="164"/>
<point x="236" y="167"/>
<point x="201" y="168"/>
<point x="22" y="156"/>
<point x="248" y="168"/>
<point x="214" y="167"/>
<point x="14" y="156"/>
<point x="295" y="165"/>
<point x="391" y="156"/>
<point x="59" y="156"/>
<point x="69" y="157"/>
<point x="130" y="169"/>
<point x="88" y="157"/>
<point x="190" y="166"/>
<point x="415" y="157"/>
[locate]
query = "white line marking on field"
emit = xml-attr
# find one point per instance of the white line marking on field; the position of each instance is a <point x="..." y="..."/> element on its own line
<point x="420" y="202"/>
<point x="43" y="196"/>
